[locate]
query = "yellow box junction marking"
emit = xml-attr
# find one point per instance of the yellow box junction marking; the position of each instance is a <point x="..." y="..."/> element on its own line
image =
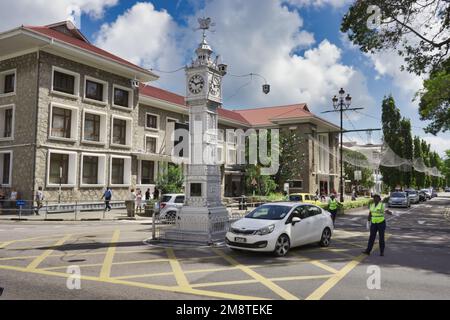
<point x="266" y="282"/>
<point x="105" y="273"/>
<point x="36" y="262"/>
<point x="182" y="281"/>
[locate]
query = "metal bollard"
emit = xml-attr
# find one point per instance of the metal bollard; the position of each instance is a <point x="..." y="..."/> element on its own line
<point x="76" y="210"/>
<point x="153" y="228"/>
<point x="46" y="211"/>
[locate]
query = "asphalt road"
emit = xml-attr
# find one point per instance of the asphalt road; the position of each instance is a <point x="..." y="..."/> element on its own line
<point x="37" y="261"/>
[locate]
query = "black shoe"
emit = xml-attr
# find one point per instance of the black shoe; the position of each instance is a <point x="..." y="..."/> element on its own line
<point x="381" y="254"/>
<point x="366" y="252"/>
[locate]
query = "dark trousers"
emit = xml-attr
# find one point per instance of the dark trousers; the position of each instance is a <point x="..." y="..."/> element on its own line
<point x="333" y="215"/>
<point x="107" y="205"/>
<point x="374" y="228"/>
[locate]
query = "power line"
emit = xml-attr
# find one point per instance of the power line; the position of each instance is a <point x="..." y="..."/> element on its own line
<point x="168" y="72"/>
<point x="376" y="118"/>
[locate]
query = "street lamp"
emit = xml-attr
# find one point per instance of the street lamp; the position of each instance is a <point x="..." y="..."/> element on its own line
<point x="342" y="104"/>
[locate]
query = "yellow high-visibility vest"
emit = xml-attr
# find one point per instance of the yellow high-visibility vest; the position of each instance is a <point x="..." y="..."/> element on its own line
<point x="333" y="204"/>
<point x="377" y="212"/>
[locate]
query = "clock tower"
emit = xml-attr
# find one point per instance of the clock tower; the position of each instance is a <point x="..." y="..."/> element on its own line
<point x="203" y="217"/>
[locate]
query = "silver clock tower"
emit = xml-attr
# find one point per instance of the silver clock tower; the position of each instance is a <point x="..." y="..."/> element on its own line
<point x="203" y="217"/>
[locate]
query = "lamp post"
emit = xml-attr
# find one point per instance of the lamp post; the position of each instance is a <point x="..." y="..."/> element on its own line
<point x="341" y="104"/>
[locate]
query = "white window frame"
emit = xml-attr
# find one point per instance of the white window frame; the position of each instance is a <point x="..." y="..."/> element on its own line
<point x="101" y="174"/>
<point x="222" y="158"/>
<point x="158" y="146"/>
<point x="76" y="94"/>
<point x="140" y="172"/>
<point x="72" y="175"/>
<point x="130" y="98"/>
<point x="13" y="120"/>
<point x="228" y="133"/>
<point x="126" y="171"/>
<point x="103" y="127"/>
<point x="228" y="156"/>
<point x="73" y="125"/>
<point x="158" y="121"/>
<point x="11" y="162"/>
<point x="129" y="132"/>
<point x="3" y="74"/>
<point x="105" y="91"/>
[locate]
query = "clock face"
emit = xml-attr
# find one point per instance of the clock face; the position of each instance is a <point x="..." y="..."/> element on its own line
<point x="196" y="84"/>
<point x="215" y="86"/>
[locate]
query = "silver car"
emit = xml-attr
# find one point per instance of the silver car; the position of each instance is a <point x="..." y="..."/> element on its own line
<point x="413" y="196"/>
<point x="399" y="199"/>
<point x="170" y="205"/>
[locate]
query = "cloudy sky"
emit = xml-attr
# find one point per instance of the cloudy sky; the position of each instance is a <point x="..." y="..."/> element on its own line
<point x="295" y="44"/>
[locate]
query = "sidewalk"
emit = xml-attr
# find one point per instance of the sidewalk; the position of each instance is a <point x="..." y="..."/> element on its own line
<point x="113" y="215"/>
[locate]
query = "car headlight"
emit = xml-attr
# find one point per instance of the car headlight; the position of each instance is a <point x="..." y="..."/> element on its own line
<point x="266" y="230"/>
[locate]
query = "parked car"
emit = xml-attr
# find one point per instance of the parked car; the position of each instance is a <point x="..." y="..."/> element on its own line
<point x="427" y="193"/>
<point x="433" y="193"/>
<point x="399" y="199"/>
<point x="170" y="205"/>
<point x="303" y="197"/>
<point x="447" y="189"/>
<point x="277" y="227"/>
<point x="422" y="196"/>
<point x="413" y="196"/>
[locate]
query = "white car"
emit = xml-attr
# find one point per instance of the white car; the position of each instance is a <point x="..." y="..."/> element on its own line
<point x="277" y="227"/>
<point x="170" y="205"/>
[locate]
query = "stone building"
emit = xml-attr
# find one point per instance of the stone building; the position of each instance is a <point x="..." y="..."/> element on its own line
<point x="75" y="119"/>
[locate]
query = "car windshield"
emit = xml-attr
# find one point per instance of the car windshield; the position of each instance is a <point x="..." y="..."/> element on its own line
<point x="295" y="197"/>
<point x="412" y="193"/>
<point x="269" y="212"/>
<point x="166" y="198"/>
<point x="398" y="195"/>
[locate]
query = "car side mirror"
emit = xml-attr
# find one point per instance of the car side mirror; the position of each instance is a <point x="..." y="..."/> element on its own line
<point x="296" y="220"/>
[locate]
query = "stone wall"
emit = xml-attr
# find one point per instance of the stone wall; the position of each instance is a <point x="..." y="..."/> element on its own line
<point x="24" y="101"/>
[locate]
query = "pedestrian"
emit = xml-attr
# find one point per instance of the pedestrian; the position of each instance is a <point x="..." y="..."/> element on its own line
<point x="39" y="200"/>
<point x="147" y="195"/>
<point x="107" y="195"/>
<point x="156" y="194"/>
<point x="139" y="200"/>
<point x="332" y="207"/>
<point x="377" y="224"/>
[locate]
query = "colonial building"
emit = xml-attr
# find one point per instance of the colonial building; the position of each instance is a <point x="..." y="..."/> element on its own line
<point x="75" y="119"/>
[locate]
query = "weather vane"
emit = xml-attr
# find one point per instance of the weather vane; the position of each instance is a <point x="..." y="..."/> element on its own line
<point x="205" y="25"/>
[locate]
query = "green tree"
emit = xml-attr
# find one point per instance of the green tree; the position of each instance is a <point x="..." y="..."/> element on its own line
<point x="171" y="179"/>
<point x="435" y="100"/>
<point x="446" y="168"/>
<point x="425" y="46"/>
<point x="391" y="132"/>
<point x="408" y="150"/>
<point x="426" y="160"/>
<point x="419" y="177"/>
<point x="259" y="184"/>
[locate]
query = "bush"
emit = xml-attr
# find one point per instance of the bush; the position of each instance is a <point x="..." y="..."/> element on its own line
<point x="351" y="204"/>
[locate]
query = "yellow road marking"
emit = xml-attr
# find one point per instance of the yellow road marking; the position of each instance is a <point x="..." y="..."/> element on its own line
<point x="177" y="270"/>
<point x="266" y="282"/>
<point x="148" y="275"/>
<point x="227" y="283"/>
<point x="114" y="264"/>
<point x="330" y="283"/>
<point x="105" y="273"/>
<point x="318" y="264"/>
<point x="37" y="261"/>
<point x="6" y="243"/>
<point x="18" y="258"/>
<point x="197" y="292"/>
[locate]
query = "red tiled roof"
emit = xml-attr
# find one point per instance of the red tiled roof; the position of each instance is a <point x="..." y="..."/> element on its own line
<point x="49" y="32"/>
<point x="259" y="116"/>
<point x="264" y="116"/>
<point x="161" y="94"/>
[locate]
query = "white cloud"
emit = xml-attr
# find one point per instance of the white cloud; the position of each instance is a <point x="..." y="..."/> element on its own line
<point x="319" y="3"/>
<point x="439" y="143"/>
<point x="40" y="12"/>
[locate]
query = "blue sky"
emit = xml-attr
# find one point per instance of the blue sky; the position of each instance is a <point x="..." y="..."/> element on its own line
<point x="295" y="44"/>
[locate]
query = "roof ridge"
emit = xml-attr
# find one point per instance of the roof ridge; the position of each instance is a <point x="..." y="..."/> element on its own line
<point x="273" y="107"/>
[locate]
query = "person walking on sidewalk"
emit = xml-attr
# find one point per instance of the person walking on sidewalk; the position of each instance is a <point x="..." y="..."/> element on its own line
<point x="107" y="196"/>
<point x="39" y="200"/>
<point x="377" y="224"/>
<point x="139" y="200"/>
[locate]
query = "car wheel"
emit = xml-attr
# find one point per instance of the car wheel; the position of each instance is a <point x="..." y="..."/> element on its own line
<point x="326" y="238"/>
<point x="170" y="216"/>
<point x="282" y="246"/>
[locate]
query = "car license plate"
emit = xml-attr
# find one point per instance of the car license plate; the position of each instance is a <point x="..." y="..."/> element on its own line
<point x="240" y="240"/>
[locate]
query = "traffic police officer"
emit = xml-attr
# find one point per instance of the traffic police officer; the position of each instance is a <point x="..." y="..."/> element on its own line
<point x="378" y="224"/>
<point x="332" y="207"/>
